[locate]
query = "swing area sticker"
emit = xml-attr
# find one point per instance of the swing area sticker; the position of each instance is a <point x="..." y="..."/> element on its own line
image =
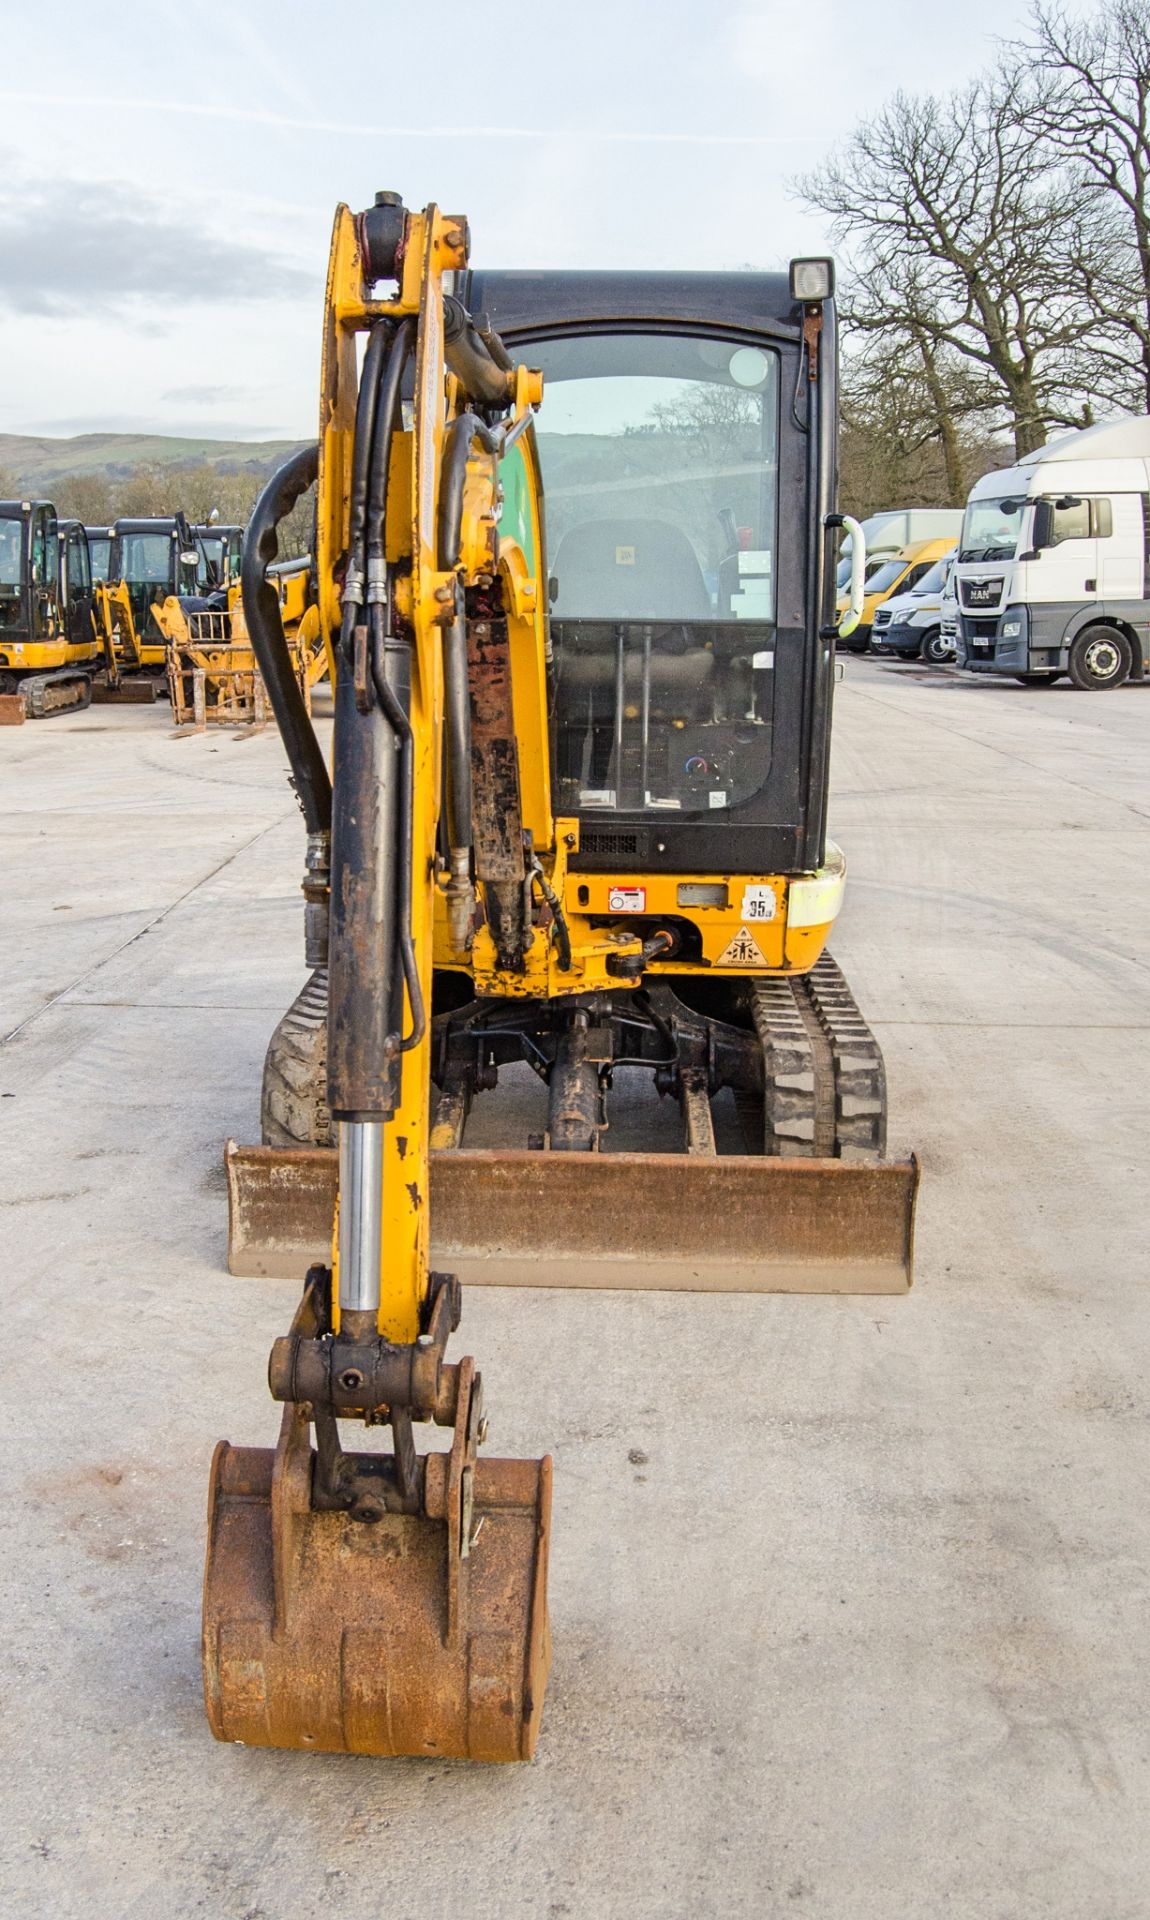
<point x="627" y="900"/>
<point x="743" y="951"/>
<point x="758" y="903"/>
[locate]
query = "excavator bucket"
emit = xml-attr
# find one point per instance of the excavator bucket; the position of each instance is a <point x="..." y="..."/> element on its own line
<point x="424" y="1633"/>
<point x="723" y="1223"/>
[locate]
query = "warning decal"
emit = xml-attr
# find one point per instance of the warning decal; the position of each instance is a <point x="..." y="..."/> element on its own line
<point x="627" y="900"/>
<point x="743" y="951"/>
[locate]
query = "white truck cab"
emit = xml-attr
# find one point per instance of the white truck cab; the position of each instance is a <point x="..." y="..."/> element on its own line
<point x="1053" y="570"/>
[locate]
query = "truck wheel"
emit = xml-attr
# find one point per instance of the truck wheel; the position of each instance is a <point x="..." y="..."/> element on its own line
<point x="935" y="650"/>
<point x="1036" y="679"/>
<point x="1100" y="658"/>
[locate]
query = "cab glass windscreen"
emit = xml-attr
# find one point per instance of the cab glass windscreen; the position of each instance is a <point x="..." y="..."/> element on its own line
<point x="660" y="464"/>
<point x="991" y="529"/>
<point x="11" y="549"/>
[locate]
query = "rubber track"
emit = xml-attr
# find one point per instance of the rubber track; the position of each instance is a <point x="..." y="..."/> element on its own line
<point x="825" y="1079"/>
<point x="37" y="690"/>
<point x="293" y="1103"/>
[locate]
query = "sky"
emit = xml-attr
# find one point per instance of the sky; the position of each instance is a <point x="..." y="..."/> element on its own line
<point x="168" y="174"/>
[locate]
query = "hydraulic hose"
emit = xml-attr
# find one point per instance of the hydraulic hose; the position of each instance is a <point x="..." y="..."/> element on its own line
<point x="265" y="630"/>
<point x="391" y="673"/>
<point x="463" y="431"/>
<point x="382" y="658"/>
<point x="471" y="360"/>
<point x="385" y="418"/>
<point x="361" y="466"/>
<point x="465" y="428"/>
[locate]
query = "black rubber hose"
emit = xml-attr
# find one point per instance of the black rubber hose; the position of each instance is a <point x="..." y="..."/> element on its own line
<point x="266" y="633"/>
<point x="471" y="361"/>
<point x="365" y="411"/>
<point x="465" y="428"/>
<point x="384" y="425"/>
<point x="492" y="342"/>
<point x="398" y="721"/>
<point x="463" y="431"/>
<point x="457" y="715"/>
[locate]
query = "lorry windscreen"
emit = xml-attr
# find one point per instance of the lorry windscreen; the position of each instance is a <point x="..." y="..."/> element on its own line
<point x="991" y="528"/>
<point x="659" y="455"/>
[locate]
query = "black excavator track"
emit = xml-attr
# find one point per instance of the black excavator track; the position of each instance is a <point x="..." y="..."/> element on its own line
<point x="824" y="1081"/>
<point x="64" y="690"/>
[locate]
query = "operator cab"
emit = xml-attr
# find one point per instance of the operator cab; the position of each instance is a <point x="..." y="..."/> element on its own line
<point x="74" y="590"/>
<point x="29" y="562"/>
<point x="154" y="558"/>
<point x="683" y="506"/>
<point x="100" y="551"/>
<point x="220" y="555"/>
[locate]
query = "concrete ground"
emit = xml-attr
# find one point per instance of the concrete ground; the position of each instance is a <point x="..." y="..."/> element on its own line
<point x="850" y="1597"/>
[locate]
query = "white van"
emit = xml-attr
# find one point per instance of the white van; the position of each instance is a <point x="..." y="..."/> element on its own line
<point x="910" y="624"/>
<point x="1053" y="572"/>
<point x="889" y="532"/>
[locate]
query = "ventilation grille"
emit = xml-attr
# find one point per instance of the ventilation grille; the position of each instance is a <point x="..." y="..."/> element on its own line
<point x="599" y="845"/>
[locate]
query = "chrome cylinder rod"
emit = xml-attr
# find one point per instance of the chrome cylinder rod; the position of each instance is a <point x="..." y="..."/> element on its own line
<point x="360" y="1215"/>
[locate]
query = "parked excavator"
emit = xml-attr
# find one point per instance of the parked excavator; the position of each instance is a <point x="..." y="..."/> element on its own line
<point x="49" y="649"/>
<point x="575" y="817"/>
<point x="149" y="560"/>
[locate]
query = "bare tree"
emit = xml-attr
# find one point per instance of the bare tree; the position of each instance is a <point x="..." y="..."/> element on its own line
<point x="900" y="373"/>
<point x="1093" y="108"/>
<point x="972" y="237"/>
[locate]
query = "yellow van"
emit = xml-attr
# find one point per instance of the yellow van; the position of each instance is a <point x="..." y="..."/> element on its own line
<point x="898" y="574"/>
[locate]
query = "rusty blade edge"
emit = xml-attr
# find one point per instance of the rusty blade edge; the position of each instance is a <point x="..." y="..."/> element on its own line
<point x="649" y="1221"/>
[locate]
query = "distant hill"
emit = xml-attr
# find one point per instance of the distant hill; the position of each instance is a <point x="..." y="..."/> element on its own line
<point x="37" y="463"/>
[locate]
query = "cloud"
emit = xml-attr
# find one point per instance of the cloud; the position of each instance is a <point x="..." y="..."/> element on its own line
<point x="70" y="246"/>
<point x="446" y="130"/>
<point x="760" y="39"/>
<point x="205" y="395"/>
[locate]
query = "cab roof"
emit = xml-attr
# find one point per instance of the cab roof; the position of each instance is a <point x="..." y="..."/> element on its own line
<point x="539" y="301"/>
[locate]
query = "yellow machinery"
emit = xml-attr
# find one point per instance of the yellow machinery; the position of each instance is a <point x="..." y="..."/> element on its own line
<point x="212" y="672"/>
<point x="49" y="648"/>
<point x="149" y="561"/>
<point x="575" y="818"/>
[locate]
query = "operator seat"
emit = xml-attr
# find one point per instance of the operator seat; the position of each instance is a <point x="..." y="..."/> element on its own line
<point x="632" y="576"/>
<point x="628" y="570"/>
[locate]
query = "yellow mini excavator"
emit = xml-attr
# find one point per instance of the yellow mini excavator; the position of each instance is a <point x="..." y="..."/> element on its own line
<point x="575" y="823"/>
<point x="49" y="649"/>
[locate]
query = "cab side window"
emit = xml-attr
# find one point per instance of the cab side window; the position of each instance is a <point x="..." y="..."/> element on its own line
<point x="39" y="552"/>
<point x="1069" y="522"/>
<point x="79" y="570"/>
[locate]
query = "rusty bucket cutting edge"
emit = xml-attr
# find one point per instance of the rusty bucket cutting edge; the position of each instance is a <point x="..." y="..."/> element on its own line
<point x="326" y="1634"/>
<point x="677" y="1222"/>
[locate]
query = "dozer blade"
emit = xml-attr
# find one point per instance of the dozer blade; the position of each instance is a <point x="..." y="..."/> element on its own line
<point x="143" y="691"/>
<point x="12" y="710"/>
<point x="414" y="1635"/>
<point x="724" y="1224"/>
